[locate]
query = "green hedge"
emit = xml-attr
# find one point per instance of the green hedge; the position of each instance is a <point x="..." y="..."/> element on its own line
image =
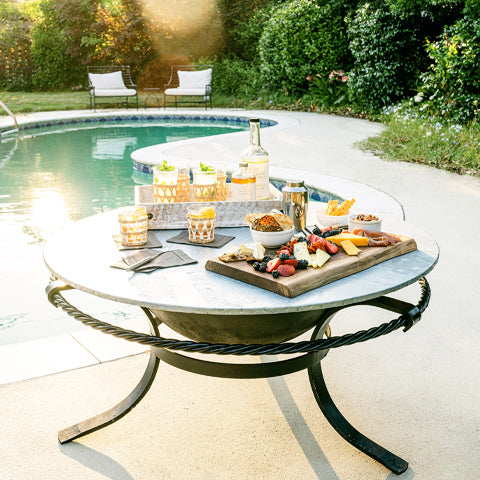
<point x="452" y="84"/>
<point x="301" y="38"/>
<point x="387" y="49"/>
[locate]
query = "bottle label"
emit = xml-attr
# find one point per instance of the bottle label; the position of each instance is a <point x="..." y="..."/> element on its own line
<point x="259" y="168"/>
<point x="243" y="192"/>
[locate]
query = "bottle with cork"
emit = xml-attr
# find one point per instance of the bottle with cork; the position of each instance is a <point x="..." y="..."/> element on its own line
<point x="257" y="159"/>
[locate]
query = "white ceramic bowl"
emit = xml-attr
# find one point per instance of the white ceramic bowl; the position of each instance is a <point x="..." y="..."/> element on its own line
<point x="373" y="225"/>
<point x="272" y="239"/>
<point x="327" y="220"/>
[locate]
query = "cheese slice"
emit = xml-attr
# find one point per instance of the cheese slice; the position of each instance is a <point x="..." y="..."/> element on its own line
<point x="312" y="262"/>
<point x="258" y="251"/>
<point x="350" y="248"/>
<point x="322" y="257"/>
<point x="250" y="248"/>
<point x="300" y="251"/>
<point x="355" y="239"/>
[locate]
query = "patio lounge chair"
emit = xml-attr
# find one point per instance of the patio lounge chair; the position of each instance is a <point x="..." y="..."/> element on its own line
<point x="191" y="81"/>
<point x="111" y="81"/>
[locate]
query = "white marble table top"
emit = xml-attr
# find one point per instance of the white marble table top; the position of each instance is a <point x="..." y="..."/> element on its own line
<point x="81" y="255"/>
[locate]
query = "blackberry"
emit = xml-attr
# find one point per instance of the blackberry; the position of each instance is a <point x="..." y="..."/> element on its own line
<point x="284" y="256"/>
<point x="301" y="239"/>
<point x="256" y="266"/>
<point x="275" y="274"/>
<point x="330" y="233"/>
<point x="266" y="259"/>
<point x="302" y="264"/>
<point x="317" y="231"/>
<point x="262" y="267"/>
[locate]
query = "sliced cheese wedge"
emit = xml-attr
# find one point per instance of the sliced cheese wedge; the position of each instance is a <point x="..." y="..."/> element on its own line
<point x="322" y="257"/>
<point x="300" y="251"/>
<point x="355" y="239"/>
<point x="350" y="248"/>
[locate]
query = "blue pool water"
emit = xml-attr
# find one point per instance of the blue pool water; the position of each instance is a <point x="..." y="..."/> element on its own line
<point x="53" y="175"/>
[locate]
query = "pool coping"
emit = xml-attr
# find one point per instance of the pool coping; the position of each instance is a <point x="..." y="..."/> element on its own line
<point x="83" y="347"/>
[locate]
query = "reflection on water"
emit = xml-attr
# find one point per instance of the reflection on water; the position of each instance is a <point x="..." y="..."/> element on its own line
<point x="50" y="177"/>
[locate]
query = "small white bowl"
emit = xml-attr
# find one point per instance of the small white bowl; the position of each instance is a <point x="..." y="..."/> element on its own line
<point x="272" y="239"/>
<point x="373" y="225"/>
<point x="327" y="220"/>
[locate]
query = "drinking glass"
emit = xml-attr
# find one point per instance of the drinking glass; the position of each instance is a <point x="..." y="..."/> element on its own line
<point x="132" y="222"/>
<point x="164" y="185"/>
<point x="204" y="185"/>
<point x="201" y="224"/>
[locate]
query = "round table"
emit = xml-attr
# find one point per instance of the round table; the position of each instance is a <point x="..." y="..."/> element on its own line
<point x="220" y="315"/>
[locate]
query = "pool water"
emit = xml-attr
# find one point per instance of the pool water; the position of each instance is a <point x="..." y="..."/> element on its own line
<point x="56" y="175"/>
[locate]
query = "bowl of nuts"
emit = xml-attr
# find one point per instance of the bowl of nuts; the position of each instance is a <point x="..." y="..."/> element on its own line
<point x="365" y="222"/>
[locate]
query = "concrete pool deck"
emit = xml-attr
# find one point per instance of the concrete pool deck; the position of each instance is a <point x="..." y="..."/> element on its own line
<point x="416" y="394"/>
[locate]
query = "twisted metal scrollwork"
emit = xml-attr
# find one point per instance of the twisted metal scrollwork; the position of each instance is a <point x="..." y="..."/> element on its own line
<point x="405" y="320"/>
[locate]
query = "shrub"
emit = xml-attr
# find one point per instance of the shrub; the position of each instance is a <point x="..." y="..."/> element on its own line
<point x="329" y="91"/>
<point x="49" y="51"/>
<point x="15" y="55"/>
<point x="387" y="56"/>
<point x="301" y="38"/>
<point x="234" y="77"/>
<point x="452" y="83"/>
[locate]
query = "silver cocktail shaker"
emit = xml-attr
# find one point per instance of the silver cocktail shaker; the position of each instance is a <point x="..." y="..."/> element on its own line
<point x="295" y="202"/>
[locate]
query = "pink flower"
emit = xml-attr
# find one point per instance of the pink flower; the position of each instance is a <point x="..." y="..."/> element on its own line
<point x="340" y="72"/>
<point x="309" y="78"/>
<point x="331" y="74"/>
<point x="344" y="78"/>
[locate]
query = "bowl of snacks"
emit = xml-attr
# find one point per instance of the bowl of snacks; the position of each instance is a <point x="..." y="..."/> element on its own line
<point x="365" y="221"/>
<point x="270" y="229"/>
<point x="334" y="213"/>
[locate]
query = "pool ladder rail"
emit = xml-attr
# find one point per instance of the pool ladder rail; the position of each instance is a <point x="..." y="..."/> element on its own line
<point x="9" y="112"/>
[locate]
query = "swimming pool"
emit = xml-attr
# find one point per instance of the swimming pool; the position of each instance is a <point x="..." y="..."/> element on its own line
<point x="54" y="173"/>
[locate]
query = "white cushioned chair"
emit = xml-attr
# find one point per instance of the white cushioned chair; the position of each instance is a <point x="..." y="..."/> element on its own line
<point x="191" y="81"/>
<point x="114" y="81"/>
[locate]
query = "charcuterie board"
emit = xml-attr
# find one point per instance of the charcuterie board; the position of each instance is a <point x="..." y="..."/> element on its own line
<point x="339" y="266"/>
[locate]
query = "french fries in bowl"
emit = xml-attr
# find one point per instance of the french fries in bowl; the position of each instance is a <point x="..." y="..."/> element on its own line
<point x="334" y="212"/>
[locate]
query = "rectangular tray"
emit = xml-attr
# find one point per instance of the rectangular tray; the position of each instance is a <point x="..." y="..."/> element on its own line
<point x="172" y="216"/>
<point x="339" y="266"/>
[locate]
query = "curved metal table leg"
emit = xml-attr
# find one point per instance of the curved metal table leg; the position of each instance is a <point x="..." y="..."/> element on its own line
<point x="396" y="464"/>
<point x="121" y="409"/>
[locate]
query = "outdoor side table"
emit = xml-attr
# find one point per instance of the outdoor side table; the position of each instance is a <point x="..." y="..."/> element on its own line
<point x="216" y="319"/>
<point x="153" y="94"/>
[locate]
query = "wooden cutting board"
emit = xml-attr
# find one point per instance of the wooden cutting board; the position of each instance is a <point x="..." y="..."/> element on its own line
<point x="339" y="266"/>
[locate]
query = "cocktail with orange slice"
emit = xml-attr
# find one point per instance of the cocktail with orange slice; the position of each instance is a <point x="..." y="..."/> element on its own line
<point x="201" y="224"/>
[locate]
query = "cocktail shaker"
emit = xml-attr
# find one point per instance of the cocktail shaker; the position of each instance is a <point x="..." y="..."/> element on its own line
<point x="295" y="202"/>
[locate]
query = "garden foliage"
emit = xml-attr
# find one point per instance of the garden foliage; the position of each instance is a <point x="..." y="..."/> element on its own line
<point x="387" y="53"/>
<point x="452" y="84"/>
<point x="301" y="38"/>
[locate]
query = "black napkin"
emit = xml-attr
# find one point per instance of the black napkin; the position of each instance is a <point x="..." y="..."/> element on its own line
<point x="152" y="242"/>
<point x="220" y="240"/>
<point x="170" y="258"/>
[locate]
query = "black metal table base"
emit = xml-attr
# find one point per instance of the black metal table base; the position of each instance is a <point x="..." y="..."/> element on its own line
<point x="308" y="356"/>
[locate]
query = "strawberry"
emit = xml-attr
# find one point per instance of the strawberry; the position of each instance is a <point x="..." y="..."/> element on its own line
<point x="328" y="229"/>
<point x="283" y="250"/>
<point x="273" y="264"/>
<point x="331" y="248"/>
<point x="291" y="261"/>
<point x="286" y="270"/>
<point x="314" y="238"/>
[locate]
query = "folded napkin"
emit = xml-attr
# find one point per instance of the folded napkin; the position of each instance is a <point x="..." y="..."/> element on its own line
<point x="152" y="242"/>
<point x="154" y="260"/>
<point x="182" y="237"/>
